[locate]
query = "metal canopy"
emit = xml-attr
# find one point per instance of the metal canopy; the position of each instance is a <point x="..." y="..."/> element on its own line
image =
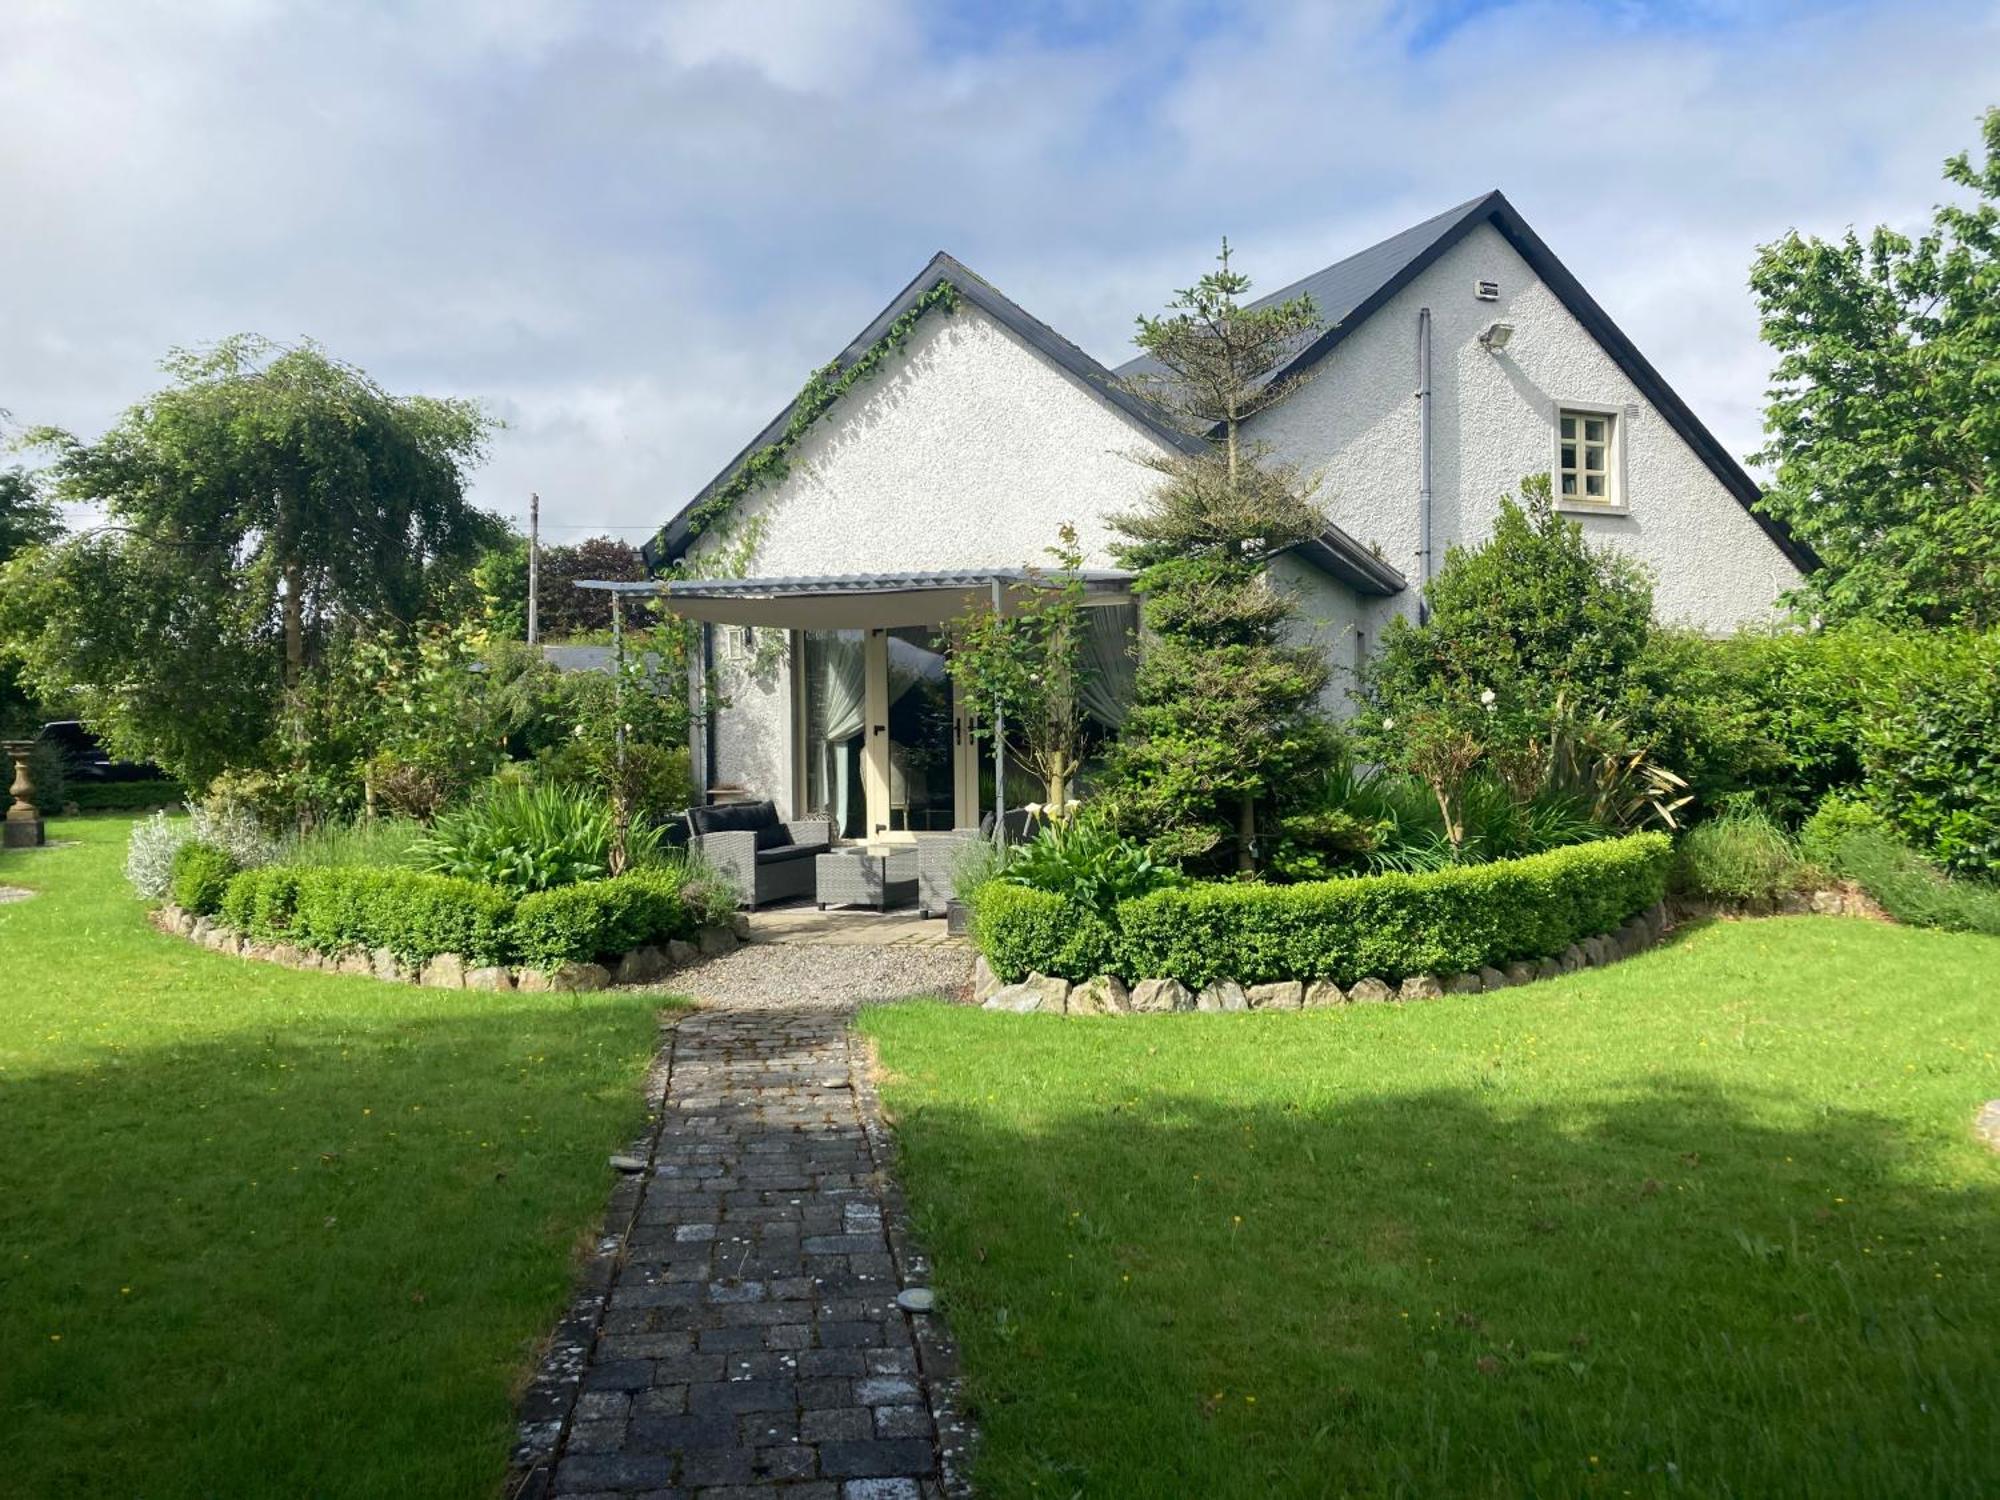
<point x="860" y="601"/>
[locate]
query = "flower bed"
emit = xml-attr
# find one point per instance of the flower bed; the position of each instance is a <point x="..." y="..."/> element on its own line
<point x="1381" y="927"/>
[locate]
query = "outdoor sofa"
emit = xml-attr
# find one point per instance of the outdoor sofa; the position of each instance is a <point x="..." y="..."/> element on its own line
<point x="764" y="857"/>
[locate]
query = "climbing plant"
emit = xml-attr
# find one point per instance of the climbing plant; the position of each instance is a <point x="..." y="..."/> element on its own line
<point x="771" y="463"/>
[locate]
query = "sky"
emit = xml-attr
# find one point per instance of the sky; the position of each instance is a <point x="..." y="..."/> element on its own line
<point x="631" y="230"/>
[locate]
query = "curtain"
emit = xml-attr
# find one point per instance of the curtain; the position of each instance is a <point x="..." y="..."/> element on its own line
<point x="1109" y="663"/>
<point x="837" y="687"/>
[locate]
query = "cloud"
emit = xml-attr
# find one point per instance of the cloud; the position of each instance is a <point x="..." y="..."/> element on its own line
<point x="632" y="231"/>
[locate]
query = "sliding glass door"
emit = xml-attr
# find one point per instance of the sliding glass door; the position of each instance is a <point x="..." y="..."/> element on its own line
<point x="833" y="699"/>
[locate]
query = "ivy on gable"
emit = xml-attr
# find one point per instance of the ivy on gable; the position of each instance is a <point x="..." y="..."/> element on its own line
<point x="771" y="463"/>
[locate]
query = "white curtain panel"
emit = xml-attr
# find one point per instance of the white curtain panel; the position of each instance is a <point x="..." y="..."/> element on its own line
<point x="839" y="686"/>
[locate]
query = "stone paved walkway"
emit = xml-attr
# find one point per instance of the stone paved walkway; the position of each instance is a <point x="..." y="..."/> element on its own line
<point x="740" y="1336"/>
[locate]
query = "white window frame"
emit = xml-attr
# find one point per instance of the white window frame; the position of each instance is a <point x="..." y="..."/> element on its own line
<point x="1615" y="501"/>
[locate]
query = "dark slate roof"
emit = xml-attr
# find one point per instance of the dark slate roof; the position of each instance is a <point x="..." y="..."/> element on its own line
<point x="673" y="538"/>
<point x="1348" y="291"/>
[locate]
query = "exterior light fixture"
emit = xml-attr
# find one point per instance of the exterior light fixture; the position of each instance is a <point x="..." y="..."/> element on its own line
<point x="1495" y="338"/>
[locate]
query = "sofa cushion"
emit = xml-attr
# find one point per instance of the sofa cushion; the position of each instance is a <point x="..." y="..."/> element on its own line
<point x="760" y="818"/>
<point x="783" y="852"/>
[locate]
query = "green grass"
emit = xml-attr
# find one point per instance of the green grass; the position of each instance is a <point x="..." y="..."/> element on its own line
<point x="1711" y="1222"/>
<point x="277" y="1233"/>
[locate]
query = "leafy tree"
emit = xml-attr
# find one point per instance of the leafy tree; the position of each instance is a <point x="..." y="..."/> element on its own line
<point x="563" y="611"/>
<point x="1525" y="664"/>
<point x="269" y="497"/>
<point x="1029" y="664"/>
<point x="1225" y="710"/>
<point x="1884" y="410"/>
<point x="26" y="520"/>
<point x="1533" y="614"/>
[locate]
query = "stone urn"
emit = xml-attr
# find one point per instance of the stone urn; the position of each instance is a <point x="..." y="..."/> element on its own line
<point x="24" y="823"/>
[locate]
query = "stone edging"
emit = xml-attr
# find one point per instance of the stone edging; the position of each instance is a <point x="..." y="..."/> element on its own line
<point x="1108" y="995"/>
<point x="450" y="971"/>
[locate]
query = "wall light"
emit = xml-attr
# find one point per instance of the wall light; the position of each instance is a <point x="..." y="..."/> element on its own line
<point x="1496" y="336"/>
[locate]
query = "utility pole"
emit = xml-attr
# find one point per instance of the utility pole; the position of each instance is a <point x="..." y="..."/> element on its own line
<point x="534" y="563"/>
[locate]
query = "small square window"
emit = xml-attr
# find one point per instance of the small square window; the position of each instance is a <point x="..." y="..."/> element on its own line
<point x="1584" y="465"/>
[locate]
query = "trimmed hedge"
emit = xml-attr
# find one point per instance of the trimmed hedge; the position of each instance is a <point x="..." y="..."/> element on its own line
<point x="332" y="909"/>
<point x="123" y="796"/>
<point x="600" y="918"/>
<point x="335" y="908"/>
<point x="1386" y="926"/>
<point x="200" y="877"/>
<point x="1021" y="931"/>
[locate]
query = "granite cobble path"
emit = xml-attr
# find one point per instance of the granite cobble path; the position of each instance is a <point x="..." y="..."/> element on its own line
<point x="741" y="1334"/>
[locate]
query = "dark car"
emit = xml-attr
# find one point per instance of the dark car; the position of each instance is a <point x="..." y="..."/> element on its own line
<point x="84" y="758"/>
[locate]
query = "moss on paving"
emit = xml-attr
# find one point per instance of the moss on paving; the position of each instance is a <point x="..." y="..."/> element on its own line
<point x="1710" y="1222"/>
<point x="275" y="1233"/>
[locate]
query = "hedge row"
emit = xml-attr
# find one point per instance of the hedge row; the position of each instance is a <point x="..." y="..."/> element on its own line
<point x="123" y="796"/>
<point x="1386" y="926"/>
<point x="416" y="915"/>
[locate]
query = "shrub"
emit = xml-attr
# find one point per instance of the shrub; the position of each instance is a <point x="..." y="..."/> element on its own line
<point x="1389" y="926"/>
<point x="1022" y="930"/>
<point x="124" y="796"/>
<point x="1740" y="856"/>
<point x="232" y="823"/>
<point x="531" y="838"/>
<point x="1905" y="884"/>
<point x="1824" y="831"/>
<point x="411" y="913"/>
<point x="600" y="918"/>
<point x="1087" y="862"/>
<point x="1933" y="752"/>
<point x="201" y="873"/>
<point x="149" y="854"/>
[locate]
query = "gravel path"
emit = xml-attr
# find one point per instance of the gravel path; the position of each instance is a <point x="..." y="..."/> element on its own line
<point x="795" y="976"/>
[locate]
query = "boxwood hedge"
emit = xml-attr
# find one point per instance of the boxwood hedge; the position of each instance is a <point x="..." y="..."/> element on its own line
<point x="1386" y="926"/>
<point x="414" y="915"/>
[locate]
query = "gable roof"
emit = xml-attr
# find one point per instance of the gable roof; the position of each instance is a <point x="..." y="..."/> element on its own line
<point x="672" y="539"/>
<point x="1349" y="291"/>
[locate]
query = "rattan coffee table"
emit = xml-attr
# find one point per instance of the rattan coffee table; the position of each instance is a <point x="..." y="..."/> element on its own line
<point x="880" y="878"/>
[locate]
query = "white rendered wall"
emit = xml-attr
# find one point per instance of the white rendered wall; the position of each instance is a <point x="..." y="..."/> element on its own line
<point x="1330" y="617"/>
<point x="1492" y="423"/>
<point x="967" y="450"/>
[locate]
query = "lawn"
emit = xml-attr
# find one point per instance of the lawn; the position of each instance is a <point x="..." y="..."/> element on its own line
<point x="1711" y="1222"/>
<point x="276" y="1233"/>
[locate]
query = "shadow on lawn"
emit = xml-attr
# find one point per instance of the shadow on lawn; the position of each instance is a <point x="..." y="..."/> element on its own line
<point x="1459" y="1292"/>
<point x="307" y="1257"/>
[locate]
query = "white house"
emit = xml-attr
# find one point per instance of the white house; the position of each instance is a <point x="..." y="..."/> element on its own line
<point x="1457" y="357"/>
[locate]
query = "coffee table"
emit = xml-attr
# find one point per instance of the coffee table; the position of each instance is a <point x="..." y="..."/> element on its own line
<point x="880" y="878"/>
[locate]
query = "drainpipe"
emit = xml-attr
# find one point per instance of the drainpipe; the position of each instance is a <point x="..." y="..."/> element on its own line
<point x="999" y="753"/>
<point x="1423" y="462"/>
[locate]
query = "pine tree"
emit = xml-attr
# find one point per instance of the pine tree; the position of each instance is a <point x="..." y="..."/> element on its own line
<point x="1225" y="709"/>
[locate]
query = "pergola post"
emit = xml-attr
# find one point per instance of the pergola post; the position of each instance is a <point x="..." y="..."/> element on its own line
<point x="999" y="752"/>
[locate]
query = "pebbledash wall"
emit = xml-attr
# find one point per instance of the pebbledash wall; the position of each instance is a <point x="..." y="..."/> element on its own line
<point x="967" y="450"/>
<point x="1493" y="421"/>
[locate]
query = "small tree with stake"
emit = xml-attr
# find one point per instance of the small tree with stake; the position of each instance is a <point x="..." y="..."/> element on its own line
<point x="1226" y="709"/>
<point x="1028" y="665"/>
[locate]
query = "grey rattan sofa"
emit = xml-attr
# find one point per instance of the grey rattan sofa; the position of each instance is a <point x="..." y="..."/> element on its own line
<point x="764" y="857"/>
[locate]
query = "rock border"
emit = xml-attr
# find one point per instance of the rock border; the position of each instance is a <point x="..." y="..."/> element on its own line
<point x="1108" y="995"/>
<point x="450" y="971"/>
